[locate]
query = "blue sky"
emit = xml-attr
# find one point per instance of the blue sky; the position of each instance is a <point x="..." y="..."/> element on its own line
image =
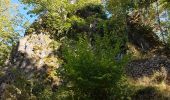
<point x="24" y="13"/>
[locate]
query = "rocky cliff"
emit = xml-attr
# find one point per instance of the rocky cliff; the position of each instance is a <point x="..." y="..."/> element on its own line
<point x="36" y="58"/>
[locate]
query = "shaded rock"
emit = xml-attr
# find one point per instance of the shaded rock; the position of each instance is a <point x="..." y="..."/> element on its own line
<point x="147" y="67"/>
<point x="149" y="93"/>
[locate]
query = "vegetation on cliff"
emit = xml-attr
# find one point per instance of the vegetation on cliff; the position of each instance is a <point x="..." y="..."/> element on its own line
<point x="86" y="49"/>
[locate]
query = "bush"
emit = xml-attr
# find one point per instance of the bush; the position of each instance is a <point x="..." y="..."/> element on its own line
<point x="93" y="71"/>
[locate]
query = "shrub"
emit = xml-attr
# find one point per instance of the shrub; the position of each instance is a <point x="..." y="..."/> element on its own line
<point x="93" y="71"/>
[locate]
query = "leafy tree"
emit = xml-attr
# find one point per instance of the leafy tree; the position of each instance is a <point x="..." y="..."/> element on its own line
<point x="61" y="18"/>
<point x="8" y="36"/>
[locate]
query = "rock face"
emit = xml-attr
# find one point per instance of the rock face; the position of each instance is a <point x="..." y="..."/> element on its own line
<point x="147" y="67"/>
<point x="140" y="34"/>
<point x="36" y="58"/>
<point x="39" y="49"/>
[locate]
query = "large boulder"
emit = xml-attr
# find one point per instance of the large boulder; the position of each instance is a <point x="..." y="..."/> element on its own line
<point x="35" y="57"/>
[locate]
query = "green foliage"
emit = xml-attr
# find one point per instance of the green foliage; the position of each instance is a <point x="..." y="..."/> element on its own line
<point x="92" y="72"/>
<point x="8" y="36"/>
<point x="92" y="68"/>
<point x="62" y="19"/>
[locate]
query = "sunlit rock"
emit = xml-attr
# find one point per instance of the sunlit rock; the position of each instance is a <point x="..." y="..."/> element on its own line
<point x="34" y="57"/>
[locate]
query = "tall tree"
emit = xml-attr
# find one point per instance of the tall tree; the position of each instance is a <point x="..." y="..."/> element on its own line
<point x="8" y="35"/>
